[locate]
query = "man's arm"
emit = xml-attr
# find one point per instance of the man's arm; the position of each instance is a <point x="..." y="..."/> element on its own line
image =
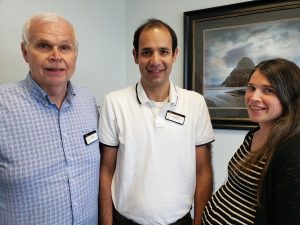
<point x="204" y="181"/>
<point x="107" y="169"/>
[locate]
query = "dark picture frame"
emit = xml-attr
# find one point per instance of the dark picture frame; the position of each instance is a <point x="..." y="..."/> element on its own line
<point x="205" y="29"/>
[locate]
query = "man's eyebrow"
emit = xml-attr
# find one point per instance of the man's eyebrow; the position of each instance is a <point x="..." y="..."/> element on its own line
<point x="49" y="42"/>
<point x="165" y="48"/>
<point x="42" y="40"/>
<point x="146" y="49"/>
<point x="67" y="42"/>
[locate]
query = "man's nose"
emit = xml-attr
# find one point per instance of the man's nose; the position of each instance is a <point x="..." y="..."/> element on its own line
<point x="55" y="54"/>
<point x="155" y="58"/>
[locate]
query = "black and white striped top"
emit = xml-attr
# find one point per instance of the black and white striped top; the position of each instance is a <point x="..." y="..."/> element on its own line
<point x="235" y="201"/>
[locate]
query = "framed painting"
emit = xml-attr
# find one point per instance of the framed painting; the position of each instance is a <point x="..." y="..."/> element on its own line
<point x="223" y="44"/>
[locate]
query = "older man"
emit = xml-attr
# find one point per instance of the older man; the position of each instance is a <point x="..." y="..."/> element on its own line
<point x="49" y="148"/>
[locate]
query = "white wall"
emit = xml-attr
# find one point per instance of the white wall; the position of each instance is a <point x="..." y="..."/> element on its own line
<point x="171" y="12"/>
<point x="105" y="29"/>
<point x="100" y="25"/>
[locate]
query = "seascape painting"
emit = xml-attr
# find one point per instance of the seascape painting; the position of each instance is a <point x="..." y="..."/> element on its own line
<point x="230" y="54"/>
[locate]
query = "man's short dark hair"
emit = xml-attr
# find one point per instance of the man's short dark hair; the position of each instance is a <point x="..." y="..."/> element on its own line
<point x="150" y="23"/>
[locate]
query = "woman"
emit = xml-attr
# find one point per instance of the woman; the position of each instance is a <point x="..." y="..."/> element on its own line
<point x="263" y="185"/>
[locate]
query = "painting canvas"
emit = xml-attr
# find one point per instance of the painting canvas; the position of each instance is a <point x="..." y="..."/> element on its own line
<point x="230" y="54"/>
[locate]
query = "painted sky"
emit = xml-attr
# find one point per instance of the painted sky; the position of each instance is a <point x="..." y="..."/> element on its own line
<point x="223" y="48"/>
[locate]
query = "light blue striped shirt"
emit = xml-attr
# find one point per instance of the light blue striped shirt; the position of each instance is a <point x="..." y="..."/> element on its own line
<point x="48" y="175"/>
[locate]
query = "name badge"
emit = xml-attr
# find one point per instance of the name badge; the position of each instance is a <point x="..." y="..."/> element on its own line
<point x="90" y="137"/>
<point x="175" y="117"/>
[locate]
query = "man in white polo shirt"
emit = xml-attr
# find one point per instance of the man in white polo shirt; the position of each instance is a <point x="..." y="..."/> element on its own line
<point x="155" y="141"/>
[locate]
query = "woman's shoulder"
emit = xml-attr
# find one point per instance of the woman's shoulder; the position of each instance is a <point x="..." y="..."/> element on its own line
<point x="251" y="132"/>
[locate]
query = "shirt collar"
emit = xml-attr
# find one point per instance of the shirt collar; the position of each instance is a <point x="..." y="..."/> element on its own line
<point x="41" y="95"/>
<point x="142" y="97"/>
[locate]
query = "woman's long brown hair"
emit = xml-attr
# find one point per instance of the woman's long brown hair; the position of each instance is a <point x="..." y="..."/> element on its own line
<point x="284" y="77"/>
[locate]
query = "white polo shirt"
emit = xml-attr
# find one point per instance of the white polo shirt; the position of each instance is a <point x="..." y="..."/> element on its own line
<point x="154" y="180"/>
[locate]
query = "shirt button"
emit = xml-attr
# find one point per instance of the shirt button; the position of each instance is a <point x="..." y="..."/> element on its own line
<point x="159" y="122"/>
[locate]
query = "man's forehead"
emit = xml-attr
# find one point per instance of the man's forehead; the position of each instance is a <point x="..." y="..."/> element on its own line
<point x="50" y="30"/>
<point x="160" y="41"/>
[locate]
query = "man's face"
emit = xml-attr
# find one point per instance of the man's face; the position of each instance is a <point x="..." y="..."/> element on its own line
<point x="51" y="54"/>
<point x="155" y="57"/>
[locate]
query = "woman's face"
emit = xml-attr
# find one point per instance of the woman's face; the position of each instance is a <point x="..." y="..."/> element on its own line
<point x="263" y="105"/>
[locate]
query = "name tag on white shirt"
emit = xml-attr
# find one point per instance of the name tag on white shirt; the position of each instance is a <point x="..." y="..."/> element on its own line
<point x="175" y="117"/>
<point x="90" y="137"/>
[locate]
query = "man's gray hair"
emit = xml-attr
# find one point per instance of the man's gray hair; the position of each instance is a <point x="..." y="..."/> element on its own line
<point x="44" y="18"/>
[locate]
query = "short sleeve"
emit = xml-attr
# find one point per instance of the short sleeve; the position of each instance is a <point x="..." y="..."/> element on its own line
<point x="108" y="128"/>
<point x="204" y="132"/>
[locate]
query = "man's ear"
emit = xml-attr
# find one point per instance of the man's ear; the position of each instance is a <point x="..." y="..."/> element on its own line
<point x="24" y="51"/>
<point x="135" y="55"/>
<point x="175" y="54"/>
